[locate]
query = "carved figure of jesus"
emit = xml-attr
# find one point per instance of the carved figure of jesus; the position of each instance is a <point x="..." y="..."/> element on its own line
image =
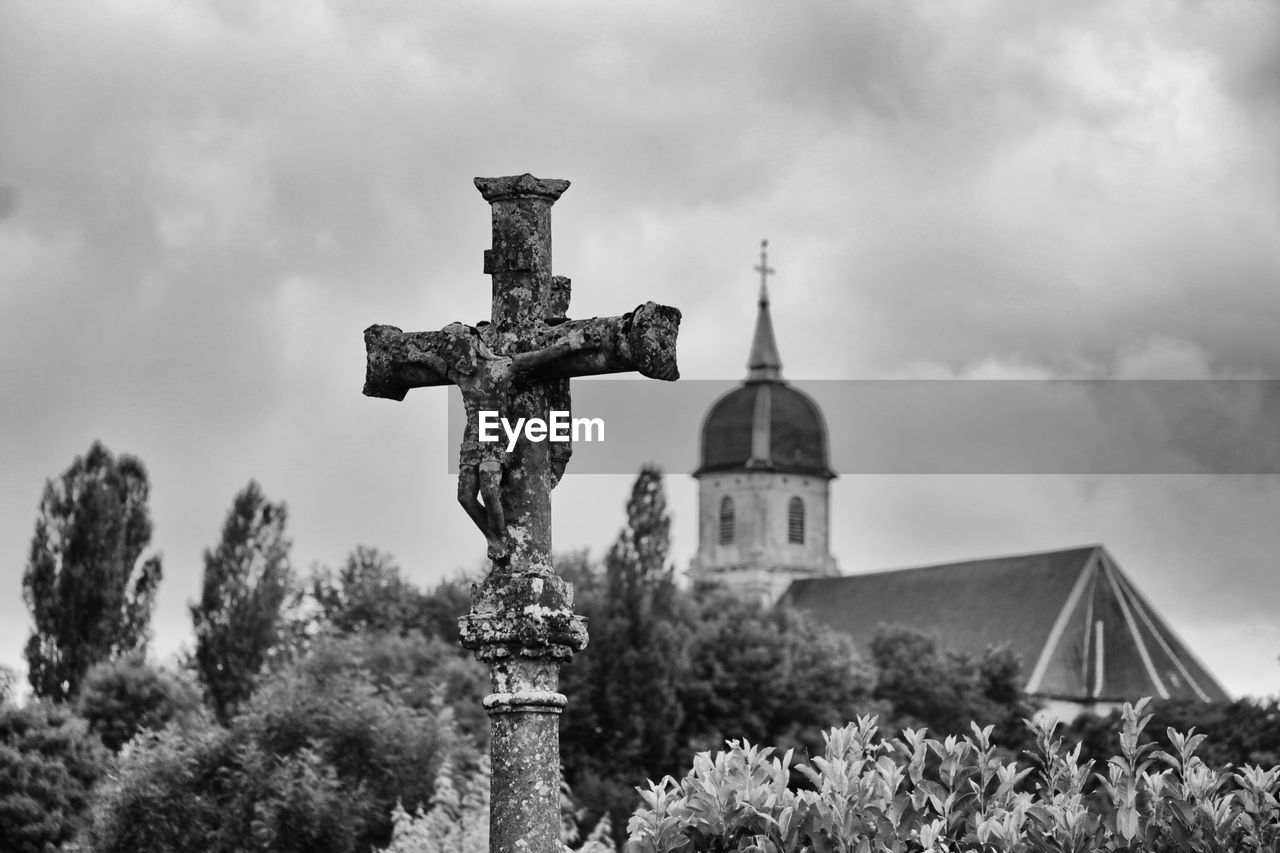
<point x="485" y="380"/>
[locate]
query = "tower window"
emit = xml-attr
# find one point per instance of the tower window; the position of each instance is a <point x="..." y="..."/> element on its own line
<point x="726" y="520"/>
<point x="795" y="521"/>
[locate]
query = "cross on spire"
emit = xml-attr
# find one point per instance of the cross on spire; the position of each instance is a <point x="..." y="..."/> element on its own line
<point x="765" y="271"/>
<point x="763" y="363"/>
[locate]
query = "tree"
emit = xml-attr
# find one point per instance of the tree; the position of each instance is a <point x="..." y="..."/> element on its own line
<point x="247" y="579"/>
<point x="623" y="717"/>
<point x="87" y="584"/>
<point x="768" y="675"/>
<point x="367" y="594"/>
<point x="1244" y="731"/>
<point x="122" y="697"/>
<point x="667" y="672"/>
<point x="946" y="690"/>
<point x="639" y="655"/>
<point x="370" y="593"/>
<point x="314" y="763"/>
<point x="8" y="678"/>
<point x="400" y="638"/>
<point x="423" y="672"/>
<point x="443" y="606"/>
<point x="49" y="762"/>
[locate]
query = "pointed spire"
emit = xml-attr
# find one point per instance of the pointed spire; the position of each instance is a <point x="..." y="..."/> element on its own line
<point x="763" y="364"/>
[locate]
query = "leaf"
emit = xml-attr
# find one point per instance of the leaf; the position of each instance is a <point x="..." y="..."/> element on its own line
<point x="935" y="793"/>
<point x="1127" y="823"/>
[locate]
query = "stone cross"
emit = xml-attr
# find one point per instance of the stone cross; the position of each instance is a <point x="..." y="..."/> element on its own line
<point x="519" y="364"/>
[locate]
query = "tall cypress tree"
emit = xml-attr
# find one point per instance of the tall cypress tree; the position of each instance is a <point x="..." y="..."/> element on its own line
<point x="624" y="716"/>
<point x="643" y="652"/>
<point x="89" y="589"/>
<point x="238" y="618"/>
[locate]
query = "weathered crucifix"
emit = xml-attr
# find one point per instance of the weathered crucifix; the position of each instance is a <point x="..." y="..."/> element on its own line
<point x="519" y="365"/>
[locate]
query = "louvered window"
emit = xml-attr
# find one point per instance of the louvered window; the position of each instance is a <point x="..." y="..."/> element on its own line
<point x="795" y="521"/>
<point x="726" y="520"/>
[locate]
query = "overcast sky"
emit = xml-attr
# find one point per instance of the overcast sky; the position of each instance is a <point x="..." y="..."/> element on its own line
<point x="203" y="204"/>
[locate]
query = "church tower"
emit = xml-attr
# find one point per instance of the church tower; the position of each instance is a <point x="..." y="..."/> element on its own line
<point x="763" y="478"/>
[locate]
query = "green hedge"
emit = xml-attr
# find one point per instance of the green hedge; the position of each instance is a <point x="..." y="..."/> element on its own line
<point x="866" y="794"/>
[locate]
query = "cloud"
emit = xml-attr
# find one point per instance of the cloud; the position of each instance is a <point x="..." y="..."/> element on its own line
<point x="204" y="203"/>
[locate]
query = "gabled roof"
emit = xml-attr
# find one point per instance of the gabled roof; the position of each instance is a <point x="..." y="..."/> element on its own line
<point x="1082" y="629"/>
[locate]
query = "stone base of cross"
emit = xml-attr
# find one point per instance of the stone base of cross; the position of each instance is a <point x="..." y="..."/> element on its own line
<point x="519" y="364"/>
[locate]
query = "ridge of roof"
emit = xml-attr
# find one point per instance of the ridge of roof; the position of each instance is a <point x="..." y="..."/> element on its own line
<point x="1083" y="549"/>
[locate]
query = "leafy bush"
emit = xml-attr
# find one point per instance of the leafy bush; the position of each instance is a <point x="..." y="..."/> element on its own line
<point x="314" y="764"/>
<point x="121" y="697"/>
<point x="1244" y="731"/>
<point x="420" y="671"/>
<point x="458" y="821"/>
<point x="914" y="793"/>
<point x="216" y="790"/>
<point x="49" y="763"/>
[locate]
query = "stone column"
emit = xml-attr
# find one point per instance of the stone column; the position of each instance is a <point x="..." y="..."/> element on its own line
<point x="523" y="628"/>
<point x="521" y="622"/>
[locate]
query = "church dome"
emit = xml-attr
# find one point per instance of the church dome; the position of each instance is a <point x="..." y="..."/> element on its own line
<point x="765" y="423"/>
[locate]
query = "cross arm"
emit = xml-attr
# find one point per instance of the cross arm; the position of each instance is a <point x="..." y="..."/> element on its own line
<point x="642" y="340"/>
<point x="398" y="361"/>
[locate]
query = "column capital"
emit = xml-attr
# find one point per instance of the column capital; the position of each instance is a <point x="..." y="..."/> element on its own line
<point x="518" y="186"/>
<point x="523" y="616"/>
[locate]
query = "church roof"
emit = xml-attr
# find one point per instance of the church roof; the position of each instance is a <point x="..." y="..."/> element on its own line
<point x="769" y="426"/>
<point x="765" y="423"/>
<point x="1082" y="629"/>
<point x="764" y="364"/>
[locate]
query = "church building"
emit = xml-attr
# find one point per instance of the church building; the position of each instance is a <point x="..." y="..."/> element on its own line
<point x="763" y="479"/>
<point x="1087" y="638"/>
